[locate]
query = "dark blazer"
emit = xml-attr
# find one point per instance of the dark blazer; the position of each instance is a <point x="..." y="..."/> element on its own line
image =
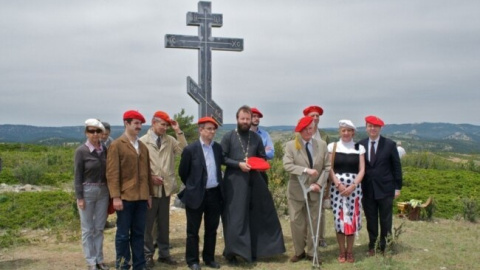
<point x="193" y="172"/>
<point x="384" y="176"/>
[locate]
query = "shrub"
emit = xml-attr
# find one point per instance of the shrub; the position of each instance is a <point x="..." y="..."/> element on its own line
<point x="7" y="177"/>
<point x="470" y="211"/>
<point x="29" y="172"/>
<point x="35" y="210"/>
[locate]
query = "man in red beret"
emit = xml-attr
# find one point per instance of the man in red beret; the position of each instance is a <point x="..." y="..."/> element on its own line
<point x="315" y="112"/>
<point x="251" y="225"/>
<point x="163" y="149"/>
<point x="267" y="141"/>
<point x="381" y="184"/>
<point x="305" y="156"/>
<point x="130" y="186"/>
<point x="200" y="172"/>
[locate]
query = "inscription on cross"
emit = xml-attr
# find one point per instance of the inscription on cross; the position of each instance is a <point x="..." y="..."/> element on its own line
<point x="204" y="43"/>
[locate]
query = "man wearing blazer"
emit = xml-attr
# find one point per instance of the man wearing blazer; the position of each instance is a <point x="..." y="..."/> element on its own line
<point x="382" y="182"/>
<point x="200" y="171"/>
<point x="130" y="185"/>
<point x="296" y="161"/>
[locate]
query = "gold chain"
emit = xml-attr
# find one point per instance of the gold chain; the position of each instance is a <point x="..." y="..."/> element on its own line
<point x="245" y="152"/>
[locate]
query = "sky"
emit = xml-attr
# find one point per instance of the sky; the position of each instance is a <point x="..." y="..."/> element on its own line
<point x="408" y="61"/>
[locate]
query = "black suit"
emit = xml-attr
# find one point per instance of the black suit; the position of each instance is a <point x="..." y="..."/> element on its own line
<point x="381" y="179"/>
<point x="200" y="201"/>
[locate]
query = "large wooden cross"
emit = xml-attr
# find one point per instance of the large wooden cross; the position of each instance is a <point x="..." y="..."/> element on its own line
<point x="205" y="43"/>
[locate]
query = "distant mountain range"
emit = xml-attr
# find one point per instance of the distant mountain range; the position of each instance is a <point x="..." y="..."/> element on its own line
<point x="460" y="138"/>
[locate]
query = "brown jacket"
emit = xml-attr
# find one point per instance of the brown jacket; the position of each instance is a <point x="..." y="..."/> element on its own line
<point x="162" y="161"/>
<point x="128" y="173"/>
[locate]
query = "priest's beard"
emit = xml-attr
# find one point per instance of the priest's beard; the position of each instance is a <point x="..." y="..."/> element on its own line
<point x="243" y="127"/>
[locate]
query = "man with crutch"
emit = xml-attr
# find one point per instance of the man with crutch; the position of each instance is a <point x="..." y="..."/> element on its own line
<point x="305" y="158"/>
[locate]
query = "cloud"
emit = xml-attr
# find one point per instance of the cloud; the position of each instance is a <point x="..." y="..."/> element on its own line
<point x="406" y="61"/>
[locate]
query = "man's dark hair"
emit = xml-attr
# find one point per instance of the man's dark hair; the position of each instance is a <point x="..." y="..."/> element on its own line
<point x="244" y="108"/>
<point x="106" y="125"/>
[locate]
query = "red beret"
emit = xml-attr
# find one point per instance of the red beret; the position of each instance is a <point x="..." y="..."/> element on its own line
<point x="374" y="120"/>
<point x="207" y="119"/>
<point x="255" y="110"/>
<point x="164" y="116"/>
<point x="133" y="115"/>
<point x="257" y="163"/>
<point x="310" y="109"/>
<point x="303" y="123"/>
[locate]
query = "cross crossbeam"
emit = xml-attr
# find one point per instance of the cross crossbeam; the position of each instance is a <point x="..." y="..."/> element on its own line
<point x="204" y="43"/>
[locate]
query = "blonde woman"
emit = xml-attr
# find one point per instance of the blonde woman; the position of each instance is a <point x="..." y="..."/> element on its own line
<point x="348" y="169"/>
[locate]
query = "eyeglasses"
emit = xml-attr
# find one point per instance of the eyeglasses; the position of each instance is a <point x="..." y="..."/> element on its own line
<point x="91" y="131"/>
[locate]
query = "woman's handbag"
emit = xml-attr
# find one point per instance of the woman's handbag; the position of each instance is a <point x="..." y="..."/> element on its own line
<point x="110" y="210"/>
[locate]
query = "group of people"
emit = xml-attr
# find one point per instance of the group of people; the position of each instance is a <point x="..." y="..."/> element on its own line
<point x="361" y="175"/>
<point x="137" y="176"/>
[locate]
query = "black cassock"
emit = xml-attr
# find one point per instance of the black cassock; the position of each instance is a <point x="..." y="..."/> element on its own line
<point x="251" y="225"/>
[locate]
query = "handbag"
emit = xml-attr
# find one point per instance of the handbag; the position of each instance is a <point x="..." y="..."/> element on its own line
<point x="110" y="209"/>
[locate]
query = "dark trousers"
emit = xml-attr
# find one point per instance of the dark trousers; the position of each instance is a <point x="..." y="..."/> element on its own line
<point x="210" y="209"/>
<point x="130" y="233"/>
<point x="376" y="210"/>
<point x="158" y="215"/>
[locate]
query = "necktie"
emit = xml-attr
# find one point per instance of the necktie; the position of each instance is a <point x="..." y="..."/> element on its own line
<point x="159" y="142"/>
<point x="310" y="160"/>
<point x="372" y="152"/>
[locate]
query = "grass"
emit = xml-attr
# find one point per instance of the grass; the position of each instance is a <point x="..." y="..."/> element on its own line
<point x="441" y="244"/>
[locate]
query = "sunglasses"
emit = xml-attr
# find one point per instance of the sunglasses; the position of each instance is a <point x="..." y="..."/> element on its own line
<point x="91" y="131"/>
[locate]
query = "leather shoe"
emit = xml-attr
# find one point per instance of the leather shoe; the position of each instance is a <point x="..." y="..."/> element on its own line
<point x="212" y="264"/>
<point x="102" y="266"/>
<point x="167" y="260"/>
<point x="296" y="258"/>
<point x="310" y="258"/>
<point x="149" y="262"/>
<point x="371" y="253"/>
<point x="323" y="243"/>
<point x="194" y="266"/>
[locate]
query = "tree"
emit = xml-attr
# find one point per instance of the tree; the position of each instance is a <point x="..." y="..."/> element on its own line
<point x="187" y="126"/>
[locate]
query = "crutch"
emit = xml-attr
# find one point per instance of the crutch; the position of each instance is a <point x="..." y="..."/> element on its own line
<point x="302" y="179"/>
<point x="316" y="259"/>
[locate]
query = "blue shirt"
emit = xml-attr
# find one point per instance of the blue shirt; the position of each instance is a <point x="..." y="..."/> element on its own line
<point x="266" y="142"/>
<point x="211" y="166"/>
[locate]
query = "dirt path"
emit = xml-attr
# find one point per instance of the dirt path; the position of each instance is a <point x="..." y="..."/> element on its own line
<point x="60" y="252"/>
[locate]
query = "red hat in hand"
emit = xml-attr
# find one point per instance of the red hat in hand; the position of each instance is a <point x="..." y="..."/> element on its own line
<point x="133" y="115"/>
<point x="164" y="116"/>
<point x="257" y="163"/>
<point x="255" y="110"/>
<point x="303" y="123"/>
<point x="372" y="119"/>
<point x="207" y="119"/>
<point x="310" y="109"/>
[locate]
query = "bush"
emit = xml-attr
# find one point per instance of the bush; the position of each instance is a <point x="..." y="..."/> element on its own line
<point x="470" y="209"/>
<point x="7" y="177"/>
<point x="34" y="164"/>
<point x="37" y="210"/>
<point x="29" y="172"/>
